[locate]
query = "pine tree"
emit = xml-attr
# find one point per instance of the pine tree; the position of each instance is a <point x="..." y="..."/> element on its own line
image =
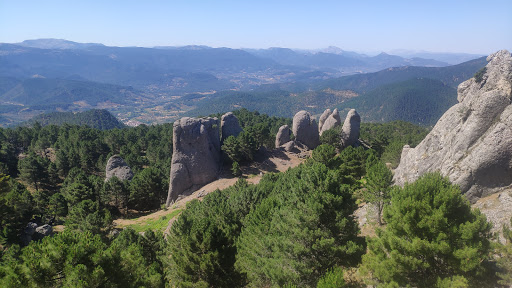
<point x="32" y="170"/>
<point x="378" y="185"/>
<point x="432" y="233"/>
<point x="504" y="261"/>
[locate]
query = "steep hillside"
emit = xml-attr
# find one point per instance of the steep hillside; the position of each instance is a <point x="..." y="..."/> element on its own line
<point x="416" y="94"/>
<point x="94" y="118"/>
<point x="43" y="91"/>
<point x="450" y="75"/>
<point x="421" y="101"/>
<point x="276" y="103"/>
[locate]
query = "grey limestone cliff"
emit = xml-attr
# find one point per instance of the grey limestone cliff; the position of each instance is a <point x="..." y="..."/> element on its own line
<point x="472" y="142"/>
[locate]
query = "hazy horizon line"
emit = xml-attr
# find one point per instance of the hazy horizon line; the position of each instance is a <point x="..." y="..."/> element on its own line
<point x="393" y="51"/>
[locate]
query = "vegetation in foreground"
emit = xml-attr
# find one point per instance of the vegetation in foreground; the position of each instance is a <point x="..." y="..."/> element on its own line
<point x="293" y="229"/>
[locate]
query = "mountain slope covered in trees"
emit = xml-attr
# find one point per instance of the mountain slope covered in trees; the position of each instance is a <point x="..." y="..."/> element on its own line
<point x="94" y="118"/>
<point x="417" y="94"/>
<point x="43" y="91"/>
<point x="421" y="101"/>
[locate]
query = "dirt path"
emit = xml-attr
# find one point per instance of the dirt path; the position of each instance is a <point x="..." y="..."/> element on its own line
<point x="274" y="161"/>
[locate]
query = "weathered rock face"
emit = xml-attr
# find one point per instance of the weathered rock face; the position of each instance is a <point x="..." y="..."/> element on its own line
<point x="331" y="121"/>
<point x="42" y="231"/>
<point x="230" y="126"/>
<point x="350" y="130"/>
<point x="290" y="146"/>
<point x="117" y="167"/>
<point x="196" y="155"/>
<point x="472" y="142"/>
<point x="498" y="210"/>
<point x="282" y="136"/>
<point x="28" y="232"/>
<point x="305" y="129"/>
<point x="323" y="117"/>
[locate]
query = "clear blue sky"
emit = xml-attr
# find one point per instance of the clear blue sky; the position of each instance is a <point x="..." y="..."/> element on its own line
<point x="441" y="26"/>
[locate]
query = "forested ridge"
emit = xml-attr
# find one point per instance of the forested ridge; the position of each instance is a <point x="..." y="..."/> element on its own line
<point x="293" y="229"/>
<point x="94" y="118"/>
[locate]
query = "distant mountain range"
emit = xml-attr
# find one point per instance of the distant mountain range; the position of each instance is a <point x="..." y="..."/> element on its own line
<point x="180" y="70"/>
<point x="162" y="83"/>
<point x="347" y="62"/>
<point x="50" y="43"/>
<point x="450" y="58"/>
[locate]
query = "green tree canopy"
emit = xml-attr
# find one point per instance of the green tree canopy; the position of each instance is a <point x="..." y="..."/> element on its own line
<point x="378" y="185"/>
<point x="432" y="233"/>
<point x="301" y="230"/>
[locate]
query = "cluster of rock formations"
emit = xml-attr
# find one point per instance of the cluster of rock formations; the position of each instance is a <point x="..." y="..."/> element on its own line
<point x="472" y="142"/>
<point x="116" y="166"/>
<point x="307" y="132"/>
<point x="196" y="157"/>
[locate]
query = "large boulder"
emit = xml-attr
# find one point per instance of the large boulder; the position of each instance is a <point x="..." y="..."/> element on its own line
<point x="323" y="117"/>
<point x="331" y="121"/>
<point x="472" y="142"/>
<point x="196" y="155"/>
<point x="350" y="130"/>
<point x="42" y="231"/>
<point x="116" y="166"/>
<point x="229" y="126"/>
<point x="28" y="232"/>
<point x="282" y="136"/>
<point x="305" y="129"/>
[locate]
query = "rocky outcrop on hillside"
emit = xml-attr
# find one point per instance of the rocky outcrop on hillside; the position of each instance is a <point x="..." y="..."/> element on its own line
<point x="229" y="126"/>
<point x="305" y="129"/>
<point x="43" y="231"/>
<point x="331" y="121"/>
<point x="116" y="166"/>
<point x="34" y="232"/>
<point x="472" y="142"/>
<point x="350" y="130"/>
<point x="196" y="155"/>
<point x="323" y="117"/>
<point x="282" y="136"/>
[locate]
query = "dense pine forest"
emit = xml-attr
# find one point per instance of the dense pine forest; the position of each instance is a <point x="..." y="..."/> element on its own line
<point x="293" y="229"/>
